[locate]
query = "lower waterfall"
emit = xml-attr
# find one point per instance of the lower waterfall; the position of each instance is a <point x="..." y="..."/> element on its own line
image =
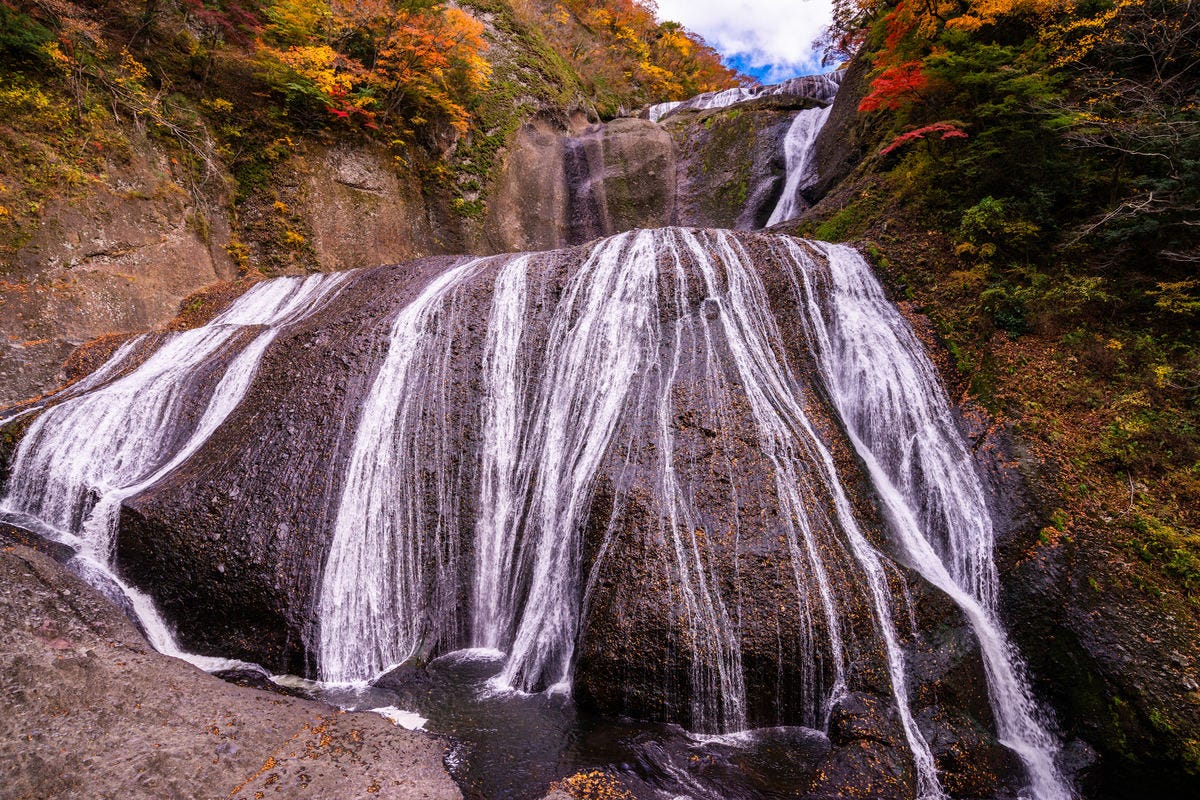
<point x="535" y="427"/>
<point x="126" y="427"/>
<point x="898" y="417"/>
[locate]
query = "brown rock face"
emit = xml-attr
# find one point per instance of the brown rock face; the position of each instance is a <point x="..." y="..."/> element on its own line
<point x="119" y="259"/>
<point x="720" y="168"/>
<point x="362" y="212"/>
<point x="559" y="189"/>
<point x="87" y="709"/>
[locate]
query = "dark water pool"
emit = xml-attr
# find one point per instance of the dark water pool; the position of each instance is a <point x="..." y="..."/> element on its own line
<point x="508" y="746"/>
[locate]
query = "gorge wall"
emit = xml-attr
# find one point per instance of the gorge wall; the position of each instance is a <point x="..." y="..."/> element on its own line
<point x="120" y="257"/>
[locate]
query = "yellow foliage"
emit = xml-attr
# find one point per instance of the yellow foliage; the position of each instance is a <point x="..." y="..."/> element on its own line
<point x="424" y="62"/>
<point x="317" y="63"/>
<point x="296" y="21"/>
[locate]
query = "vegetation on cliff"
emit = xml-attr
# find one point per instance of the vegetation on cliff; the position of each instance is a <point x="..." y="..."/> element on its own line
<point x="1031" y="178"/>
<point x="1053" y="151"/>
<point x="233" y="87"/>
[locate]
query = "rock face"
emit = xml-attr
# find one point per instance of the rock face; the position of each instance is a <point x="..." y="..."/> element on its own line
<point x="1120" y="666"/>
<point x="842" y="143"/>
<point x="362" y="212"/>
<point x="731" y="161"/>
<point x="88" y="709"/>
<point x="124" y="255"/>
<point x="560" y="188"/>
<point x="721" y="167"/>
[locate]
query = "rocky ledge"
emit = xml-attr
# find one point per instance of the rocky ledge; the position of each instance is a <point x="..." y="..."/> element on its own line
<point x="88" y="709"/>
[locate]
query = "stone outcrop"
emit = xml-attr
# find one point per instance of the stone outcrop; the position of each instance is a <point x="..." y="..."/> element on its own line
<point x="88" y="709"/>
<point x="564" y="184"/>
<point x="232" y="543"/>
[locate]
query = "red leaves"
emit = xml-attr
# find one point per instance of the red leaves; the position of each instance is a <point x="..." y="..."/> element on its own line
<point x="948" y="130"/>
<point x="228" y="19"/>
<point x="895" y="87"/>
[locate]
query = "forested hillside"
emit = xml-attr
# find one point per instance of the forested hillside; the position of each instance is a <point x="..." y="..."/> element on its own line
<point x="230" y="85"/>
<point x="153" y="148"/>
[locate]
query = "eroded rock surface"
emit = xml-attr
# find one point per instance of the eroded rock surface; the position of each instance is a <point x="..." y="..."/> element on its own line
<point x="119" y="258"/>
<point x="88" y="709"/>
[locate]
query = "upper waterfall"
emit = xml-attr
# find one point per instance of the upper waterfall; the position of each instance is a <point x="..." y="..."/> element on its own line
<point x="818" y="87"/>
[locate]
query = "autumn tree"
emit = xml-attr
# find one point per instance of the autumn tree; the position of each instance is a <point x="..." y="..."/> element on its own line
<point x="1134" y="66"/>
<point x="625" y="54"/>
<point x="376" y="62"/>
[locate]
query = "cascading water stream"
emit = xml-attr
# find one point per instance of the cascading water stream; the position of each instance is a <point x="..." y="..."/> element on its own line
<point x="81" y="458"/>
<point x="574" y="372"/>
<point x="603" y="337"/>
<point x="544" y="435"/>
<point x="503" y="486"/>
<point x="898" y="418"/>
<point x="798" y="152"/>
<point x="372" y="603"/>
<point x="782" y="425"/>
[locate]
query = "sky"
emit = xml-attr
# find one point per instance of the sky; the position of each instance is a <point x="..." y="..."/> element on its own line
<point x="769" y="39"/>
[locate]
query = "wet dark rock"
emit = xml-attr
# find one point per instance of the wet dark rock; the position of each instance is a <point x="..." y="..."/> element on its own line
<point x="842" y="144"/>
<point x="13" y="535"/>
<point x="410" y="682"/>
<point x="1101" y="647"/>
<point x="254" y="679"/>
<point x="272" y="502"/>
<point x="731" y="165"/>
<point x="720" y="168"/>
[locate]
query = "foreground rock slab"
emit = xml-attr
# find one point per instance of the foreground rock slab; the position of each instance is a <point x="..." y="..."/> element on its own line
<point x="88" y="709"/>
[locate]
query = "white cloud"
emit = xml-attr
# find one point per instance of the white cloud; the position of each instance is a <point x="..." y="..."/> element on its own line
<point x="772" y="37"/>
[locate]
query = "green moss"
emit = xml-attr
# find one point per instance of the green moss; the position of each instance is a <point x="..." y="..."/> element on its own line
<point x="1173" y="551"/>
<point x="528" y="76"/>
<point x="845" y="224"/>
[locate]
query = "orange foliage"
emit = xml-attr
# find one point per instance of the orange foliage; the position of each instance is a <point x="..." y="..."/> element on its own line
<point x="911" y="26"/>
<point x="625" y="52"/>
<point x="369" y="61"/>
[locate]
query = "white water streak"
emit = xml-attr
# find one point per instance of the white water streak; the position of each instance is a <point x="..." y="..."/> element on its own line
<point x="602" y="337"/>
<point x="898" y="418"/>
<point x="373" y="595"/>
<point x="718" y="701"/>
<point x="504" y="486"/>
<point x="84" y="456"/>
<point x="798" y="149"/>
<point x="783" y="425"/>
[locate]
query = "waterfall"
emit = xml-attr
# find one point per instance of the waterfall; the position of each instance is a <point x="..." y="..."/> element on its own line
<point x="547" y="423"/>
<point x="798" y="152"/>
<point x="782" y="425"/>
<point x="464" y="525"/>
<point x="898" y="418"/>
<point x="116" y="435"/>
<point x="499" y="580"/>
<point x="818" y="87"/>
